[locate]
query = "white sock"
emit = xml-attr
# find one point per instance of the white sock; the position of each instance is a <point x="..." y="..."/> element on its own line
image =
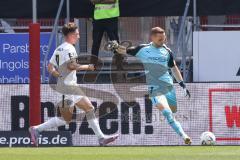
<point x="93" y="123"/>
<point x="184" y="136"/>
<point x="53" y="122"/>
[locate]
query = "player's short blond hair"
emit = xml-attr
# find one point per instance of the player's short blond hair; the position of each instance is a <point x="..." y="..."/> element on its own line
<point x="69" y="28"/>
<point x="156" y="30"/>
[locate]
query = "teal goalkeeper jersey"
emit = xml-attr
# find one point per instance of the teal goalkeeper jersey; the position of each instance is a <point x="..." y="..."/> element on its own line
<point x="157" y="62"/>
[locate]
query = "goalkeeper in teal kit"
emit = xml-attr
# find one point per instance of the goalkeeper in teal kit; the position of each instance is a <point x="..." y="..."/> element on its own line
<point x="157" y="59"/>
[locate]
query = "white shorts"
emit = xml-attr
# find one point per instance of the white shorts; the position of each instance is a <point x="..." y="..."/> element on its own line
<point x="73" y="98"/>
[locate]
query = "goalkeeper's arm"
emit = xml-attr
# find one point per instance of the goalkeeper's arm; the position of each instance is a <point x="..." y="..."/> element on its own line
<point x="116" y="48"/>
<point x="177" y="75"/>
<point x="119" y="49"/>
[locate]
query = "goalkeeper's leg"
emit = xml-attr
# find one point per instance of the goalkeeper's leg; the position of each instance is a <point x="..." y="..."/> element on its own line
<point x="161" y="103"/>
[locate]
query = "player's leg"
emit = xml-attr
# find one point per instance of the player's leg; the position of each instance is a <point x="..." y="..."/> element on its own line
<point x="172" y="100"/>
<point x="161" y="103"/>
<point x="66" y="111"/>
<point x="85" y="104"/>
<point x="51" y="123"/>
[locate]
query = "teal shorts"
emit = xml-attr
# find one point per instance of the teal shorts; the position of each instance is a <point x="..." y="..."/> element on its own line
<point x="170" y="96"/>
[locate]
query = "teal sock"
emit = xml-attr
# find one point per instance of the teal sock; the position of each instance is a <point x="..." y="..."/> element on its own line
<point x="167" y="113"/>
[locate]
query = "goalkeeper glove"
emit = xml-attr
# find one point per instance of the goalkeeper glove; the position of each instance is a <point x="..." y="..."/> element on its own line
<point x="185" y="90"/>
<point x="115" y="47"/>
<point x="112" y="45"/>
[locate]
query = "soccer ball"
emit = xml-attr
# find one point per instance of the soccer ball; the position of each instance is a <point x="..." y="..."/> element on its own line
<point x="208" y="139"/>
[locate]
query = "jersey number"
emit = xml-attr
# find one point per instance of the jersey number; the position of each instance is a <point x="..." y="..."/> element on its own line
<point x="57" y="58"/>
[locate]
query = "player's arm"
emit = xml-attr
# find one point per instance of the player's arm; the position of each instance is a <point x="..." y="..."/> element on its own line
<point x="73" y="65"/>
<point x="177" y="75"/>
<point x="116" y="48"/>
<point x="90" y="67"/>
<point x="119" y="49"/>
<point x="53" y="62"/>
<point x="52" y="70"/>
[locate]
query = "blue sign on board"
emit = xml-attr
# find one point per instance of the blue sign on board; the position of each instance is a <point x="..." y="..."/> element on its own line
<point x="14" y="56"/>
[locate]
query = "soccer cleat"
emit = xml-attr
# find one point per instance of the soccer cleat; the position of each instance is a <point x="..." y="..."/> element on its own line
<point x="188" y="140"/>
<point x="34" y="135"/>
<point x="106" y="140"/>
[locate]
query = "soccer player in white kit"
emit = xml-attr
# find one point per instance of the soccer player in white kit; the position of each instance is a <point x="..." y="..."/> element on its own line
<point x="63" y="66"/>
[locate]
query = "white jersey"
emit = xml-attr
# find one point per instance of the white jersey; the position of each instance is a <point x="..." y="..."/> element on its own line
<point x="61" y="56"/>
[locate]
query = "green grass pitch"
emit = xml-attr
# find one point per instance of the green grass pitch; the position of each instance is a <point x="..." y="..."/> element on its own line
<point x="121" y="153"/>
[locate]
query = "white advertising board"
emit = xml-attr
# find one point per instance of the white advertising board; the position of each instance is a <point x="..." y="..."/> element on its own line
<point x="213" y="106"/>
<point x="216" y="56"/>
